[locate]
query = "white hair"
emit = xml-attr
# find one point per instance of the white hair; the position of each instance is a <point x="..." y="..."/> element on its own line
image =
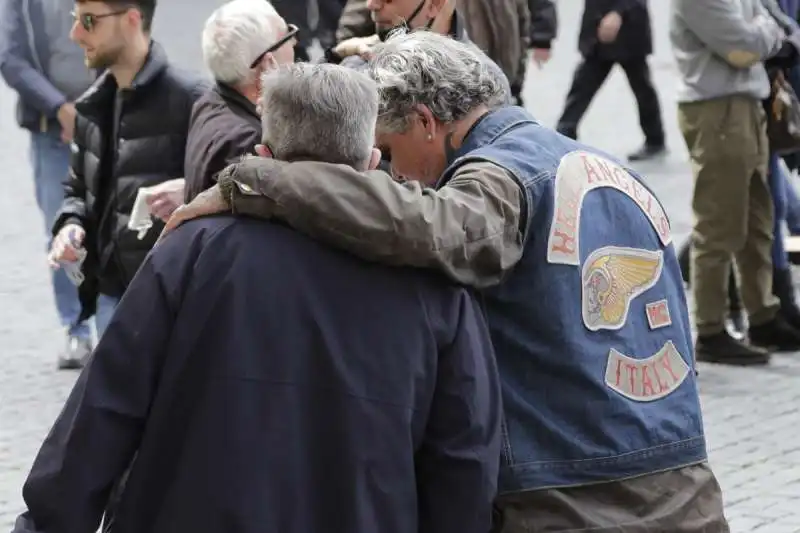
<point x="449" y="77"/>
<point x="235" y="35"/>
<point x="322" y="112"/>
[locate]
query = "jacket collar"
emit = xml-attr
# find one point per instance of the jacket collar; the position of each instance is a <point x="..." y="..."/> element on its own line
<point x="101" y="94"/>
<point x="235" y="98"/>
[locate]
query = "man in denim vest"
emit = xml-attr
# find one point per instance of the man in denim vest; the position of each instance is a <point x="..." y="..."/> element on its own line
<point x="581" y="283"/>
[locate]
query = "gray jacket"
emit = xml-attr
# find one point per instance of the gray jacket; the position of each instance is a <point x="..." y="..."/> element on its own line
<point x="720" y="46"/>
<point x="38" y="60"/>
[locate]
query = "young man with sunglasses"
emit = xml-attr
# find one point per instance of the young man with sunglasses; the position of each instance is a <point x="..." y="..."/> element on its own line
<point x="241" y="40"/>
<point x="46" y="69"/>
<point x="130" y="132"/>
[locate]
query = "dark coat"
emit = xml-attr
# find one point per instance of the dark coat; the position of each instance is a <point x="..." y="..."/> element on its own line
<point x="224" y="127"/>
<point x="635" y="37"/>
<point x="105" y="178"/>
<point x="270" y="384"/>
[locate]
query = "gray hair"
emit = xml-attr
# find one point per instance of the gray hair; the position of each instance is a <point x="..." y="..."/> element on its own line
<point x="235" y="34"/>
<point x="323" y="112"/>
<point x="450" y="78"/>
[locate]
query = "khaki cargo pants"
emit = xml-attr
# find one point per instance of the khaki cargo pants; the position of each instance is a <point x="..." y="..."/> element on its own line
<point x="733" y="211"/>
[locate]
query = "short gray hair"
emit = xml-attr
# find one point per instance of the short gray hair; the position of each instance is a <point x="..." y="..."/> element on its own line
<point x="323" y="112"/>
<point x="450" y="78"/>
<point x="235" y="34"/>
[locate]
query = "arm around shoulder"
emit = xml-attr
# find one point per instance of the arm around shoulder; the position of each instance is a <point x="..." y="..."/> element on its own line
<point x="470" y="229"/>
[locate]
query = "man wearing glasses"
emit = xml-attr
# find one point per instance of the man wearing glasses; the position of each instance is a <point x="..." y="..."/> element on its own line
<point x="130" y="132"/>
<point x="241" y="40"/>
<point x="38" y="61"/>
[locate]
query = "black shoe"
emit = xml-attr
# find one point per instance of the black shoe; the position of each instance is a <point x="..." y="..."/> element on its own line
<point x="776" y="335"/>
<point x="75" y="354"/>
<point x="723" y="349"/>
<point x="648" y="151"/>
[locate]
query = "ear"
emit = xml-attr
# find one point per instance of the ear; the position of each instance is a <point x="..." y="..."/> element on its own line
<point x="262" y="150"/>
<point x="374" y="160"/>
<point x="427" y="120"/>
<point x="134" y="17"/>
<point x="269" y="62"/>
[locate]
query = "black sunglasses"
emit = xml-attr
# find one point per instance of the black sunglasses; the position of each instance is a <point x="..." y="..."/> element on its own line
<point x="291" y="31"/>
<point x="89" y="20"/>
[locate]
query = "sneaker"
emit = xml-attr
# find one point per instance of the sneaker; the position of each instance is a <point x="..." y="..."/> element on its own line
<point x="722" y="349"/>
<point x="647" y="152"/>
<point x="75" y="354"/>
<point x="776" y="335"/>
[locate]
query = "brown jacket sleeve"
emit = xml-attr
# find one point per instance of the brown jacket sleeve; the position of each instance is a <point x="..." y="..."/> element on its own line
<point x="500" y="28"/>
<point x="469" y="229"/>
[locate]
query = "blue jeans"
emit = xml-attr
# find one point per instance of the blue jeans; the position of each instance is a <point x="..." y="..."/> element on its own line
<point x="778" y="184"/>
<point x="105" y="312"/>
<point x="50" y="161"/>
<point x="792" y="209"/>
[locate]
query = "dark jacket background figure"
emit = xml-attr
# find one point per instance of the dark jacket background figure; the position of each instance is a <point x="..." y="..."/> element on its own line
<point x="288" y="392"/>
<point x="223" y="127"/>
<point x="107" y="170"/>
<point x="544" y="23"/>
<point x="635" y="37"/>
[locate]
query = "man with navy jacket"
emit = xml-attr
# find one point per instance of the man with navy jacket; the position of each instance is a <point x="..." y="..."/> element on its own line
<point x="267" y="383"/>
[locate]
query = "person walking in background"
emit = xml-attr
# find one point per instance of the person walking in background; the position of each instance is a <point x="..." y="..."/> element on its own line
<point x="271" y="384"/>
<point x="241" y="40"/>
<point x="47" y="70"/>
<point x="130" y="132"/>
<point x="297" y="12"/>
<point x="616" y="32"/>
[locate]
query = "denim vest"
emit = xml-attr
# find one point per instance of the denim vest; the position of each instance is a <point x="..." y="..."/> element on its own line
<point x="591" y="328"/>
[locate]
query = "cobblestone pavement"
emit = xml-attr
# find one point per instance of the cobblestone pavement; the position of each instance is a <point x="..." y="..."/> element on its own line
<point x="752" y="415"/>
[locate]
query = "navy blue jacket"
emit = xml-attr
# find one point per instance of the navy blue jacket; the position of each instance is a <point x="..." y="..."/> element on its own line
<point x="269" y="384"/>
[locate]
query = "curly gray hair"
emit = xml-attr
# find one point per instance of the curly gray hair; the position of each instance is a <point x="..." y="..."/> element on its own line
<point x="450" y="78"/>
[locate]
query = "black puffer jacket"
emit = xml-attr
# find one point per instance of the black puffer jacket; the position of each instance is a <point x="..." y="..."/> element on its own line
<point x="151" y="130"/>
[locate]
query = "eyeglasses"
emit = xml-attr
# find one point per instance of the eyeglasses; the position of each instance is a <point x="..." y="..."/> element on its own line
<point x="89" y="20"/>
<point x="291" y="31"/>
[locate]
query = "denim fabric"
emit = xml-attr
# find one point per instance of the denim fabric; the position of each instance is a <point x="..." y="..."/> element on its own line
<point x="106" y="305"/>
<point x="586" y="399"/>
<point x="778" y="186"/>
<point x="50" y="161"/>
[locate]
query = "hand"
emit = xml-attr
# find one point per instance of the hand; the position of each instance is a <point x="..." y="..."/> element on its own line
<point x="356" y="46"/>
<point x="66" y="117"/>
<point x="540" y="56"/>
<point x="609" y="27"/>
<point x="209" y="202"/>
<point x="66" y="245"/>
<point x="166" y="197"/>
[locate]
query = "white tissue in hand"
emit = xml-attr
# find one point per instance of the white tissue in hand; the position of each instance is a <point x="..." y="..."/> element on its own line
<point x="141" y="219"/>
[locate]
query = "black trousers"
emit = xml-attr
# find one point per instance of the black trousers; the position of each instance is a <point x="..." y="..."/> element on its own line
<point x="589" y="77"/>
<point x="296" y="12"/>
